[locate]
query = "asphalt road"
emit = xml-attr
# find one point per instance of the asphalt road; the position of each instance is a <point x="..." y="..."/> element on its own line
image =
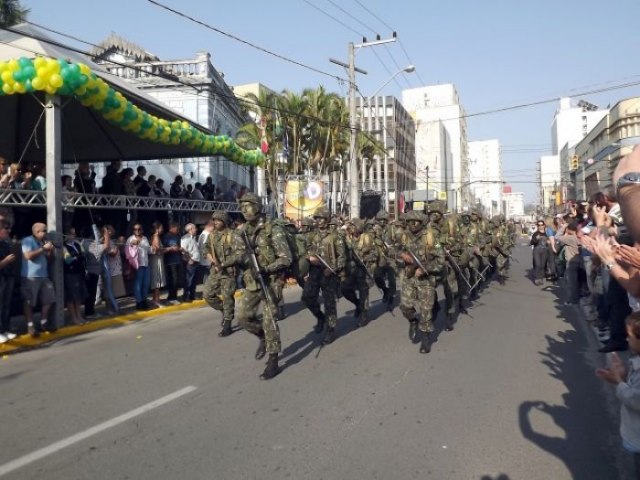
<point x="510" y="394"/>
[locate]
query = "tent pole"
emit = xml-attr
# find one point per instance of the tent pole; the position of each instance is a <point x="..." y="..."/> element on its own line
<point x="53" y="156"/>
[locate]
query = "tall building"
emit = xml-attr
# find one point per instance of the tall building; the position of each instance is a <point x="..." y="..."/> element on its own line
<point x="485" y="175"/>
<point x="548" y="181"/>
<point x="394" y="170"/>
<point x="441" y="141"/>
<point x="513" y="204"/>
<point x="572" y="123"/>
<point x="191" y="87"/>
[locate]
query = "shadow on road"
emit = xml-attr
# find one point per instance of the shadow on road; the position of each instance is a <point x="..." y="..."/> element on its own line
<point x="501" y="476"/>
<point x="582" y="418"/>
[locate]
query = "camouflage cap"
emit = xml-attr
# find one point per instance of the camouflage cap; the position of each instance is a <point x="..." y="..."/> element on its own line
<point x="334" y="221"/>
<point x="220" y="215"/>
<point x="358" y="223"/>
<point x="382" y="215"/>
<point x="250" y="197"/>
<point x="307" y="222"/>
<point x="415" y="216"/>
<point x="322" y="212"/>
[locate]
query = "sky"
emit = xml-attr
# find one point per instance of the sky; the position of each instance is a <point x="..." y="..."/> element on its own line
<point x="497" y="53"/>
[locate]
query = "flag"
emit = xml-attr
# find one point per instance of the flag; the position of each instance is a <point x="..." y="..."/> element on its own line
<point x="264" y="144"/>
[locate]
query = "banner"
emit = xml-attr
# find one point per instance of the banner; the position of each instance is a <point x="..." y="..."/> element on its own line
<point x="302" y="198"/>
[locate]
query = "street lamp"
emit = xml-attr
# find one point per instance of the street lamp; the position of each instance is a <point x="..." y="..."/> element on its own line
<point x="407" y="69"/>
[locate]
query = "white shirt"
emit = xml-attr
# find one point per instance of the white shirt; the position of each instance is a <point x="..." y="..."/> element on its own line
<point x="197" y="195"/>
<point x="202" y="241"/>
<point x="190" y="246"/>
<point x="143" y="250"/>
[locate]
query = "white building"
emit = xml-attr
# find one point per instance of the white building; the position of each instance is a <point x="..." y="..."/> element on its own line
<point x="441" y="141"/>
<point x="191" y="87"/>
<point x="485" y="175"/>
<point x="572" y="123"/>
<point x="548" y="180"/>
<point x="513" y="204"/>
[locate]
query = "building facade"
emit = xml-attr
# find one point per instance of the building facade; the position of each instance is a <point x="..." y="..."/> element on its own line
<point x="485" y="175"/>
<point x="191" y="87"/>
<point x="394" y="170"/>
<point x="441" y="142"/>
<point x="548" y="181"/>
<point x="571" y="123"/>
<point x="598" y="154"/>
<point x="513" y="204"/>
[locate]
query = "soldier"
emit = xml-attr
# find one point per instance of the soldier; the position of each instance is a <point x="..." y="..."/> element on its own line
<point x="302" y="246"/>
<point x="418" y="293"/>
<point x="220" y="287"/>
<point x="469" y="241"/>
<point x="268" y="242"/>
<point x="327" y="258"/>
<point x="437" y="223"/>
<point x="460" y="252"/>
<point x="355" y="288"/>
<point x="499" y="247"/>
<point x="384" y="274"/>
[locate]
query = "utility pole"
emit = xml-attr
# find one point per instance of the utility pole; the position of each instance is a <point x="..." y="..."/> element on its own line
<point x="354" y="192"/>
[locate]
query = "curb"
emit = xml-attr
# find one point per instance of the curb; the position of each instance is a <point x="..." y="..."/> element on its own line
<point x="27" y="342"/>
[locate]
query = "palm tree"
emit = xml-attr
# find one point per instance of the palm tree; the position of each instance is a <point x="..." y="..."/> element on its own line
<point x="11" y="13"/>
<point x="294" y="108"/>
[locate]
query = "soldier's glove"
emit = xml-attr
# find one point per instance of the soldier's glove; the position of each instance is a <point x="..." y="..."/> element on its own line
<point x="406" y="258"/>
<point x="420" y="273"/>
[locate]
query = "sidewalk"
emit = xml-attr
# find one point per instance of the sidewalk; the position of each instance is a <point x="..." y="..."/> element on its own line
<point x="127" y="315"/>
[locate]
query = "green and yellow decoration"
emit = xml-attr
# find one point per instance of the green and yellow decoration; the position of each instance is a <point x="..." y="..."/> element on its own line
<point x="59" y="77"/>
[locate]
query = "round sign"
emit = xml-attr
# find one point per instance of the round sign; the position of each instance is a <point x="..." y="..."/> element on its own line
<point x="590" y="161"/>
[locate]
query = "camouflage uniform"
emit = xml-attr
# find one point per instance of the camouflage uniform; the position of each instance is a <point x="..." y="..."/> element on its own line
<point x="220" y="287"/>
<point x="384" y="273"/>
<point x="331" y="247"/>
<point x="418" y="293"/>
<point x="269" y="242"/>
<point x="449" y="280"/>
<point x="355" y="287"/>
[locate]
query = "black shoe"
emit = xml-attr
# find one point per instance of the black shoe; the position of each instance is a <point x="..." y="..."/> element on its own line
<point x="262" y="350"/>
<point x="425" y="343"/>
<point x="226" y="330"/>
<point x="363" y="320"/>
<point x="413" y="331"/>
<point x="391" y="299"/>
<point x="385" y="295"/>
<point x="449" y="323"/>
<point x="319" y="325"/>
<point x="272" y="369"/>
<point x="613" y="347"/>
<point x="281" y="314"/>
<point x="329" y="336"/>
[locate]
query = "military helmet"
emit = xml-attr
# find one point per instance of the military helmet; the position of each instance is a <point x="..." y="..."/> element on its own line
<point x="436" y="206"/>
<point x="382" y="215"/>
<point x="307" y="222"/>
<point x="250" y="197"/>
<point x="358" y="223"/>
<point x="334" y="221"/>
<point x="220" y="215"/>
<point x="322" y="212"/>
<point x="414" y="215"/>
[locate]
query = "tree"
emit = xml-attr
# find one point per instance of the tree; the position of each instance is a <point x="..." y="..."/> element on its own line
<point x="11" y="13"/>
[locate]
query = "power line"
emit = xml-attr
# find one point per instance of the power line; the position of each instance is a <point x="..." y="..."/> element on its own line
<point x="245" y="42"/>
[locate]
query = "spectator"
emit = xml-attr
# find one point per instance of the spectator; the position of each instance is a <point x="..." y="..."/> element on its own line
<point x="94" y="250"/>
<point x="84" y="180"/>
<point x="13" y="178"/>
<point x="176" y="189"/>
<point x="67" y="212"/>
<point x="191" y="256"/>
<point x="38" y="180"/>
<point x="205" y="263"/>
<point x="197" y="192"/>
<point x="189" y="191"/>
<point x="159" y="191"/>
<point x="137" y="254"/>
<point x="573" y="260"/>
<point x="539" y="242"/>
<point x="242" y="192"/>
<point x="75" y="289"/>
<point x="35" y="283"/>
<point x="5" y="174"/>
<point x="112" y="270"/>
<point x="208" y="189"/>
<point x="7" y="280"/>
<point x="151" y="184"/>
<point x="67" y="183"/>
<point x="142" y="186"/>
<point x="232" y="194"/>
<point x="126" y="176"/>
<point x="627" y="383"/>
<point x="173" y="261"/>
<point x="156" y="263"/>
<point x="112" y="183"/>
<point x="218" y="197"/>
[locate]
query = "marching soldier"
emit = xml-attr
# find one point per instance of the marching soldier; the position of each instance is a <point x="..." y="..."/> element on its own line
<point x="220" y="287"/>
<point x="384" y="274"/>
<point x="362" y="256"/>
<point x="327" y="258"/>
<point x="263" y="253"/>
<point x="424" y="261"/>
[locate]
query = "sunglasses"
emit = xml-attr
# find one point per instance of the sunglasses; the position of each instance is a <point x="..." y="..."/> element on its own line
<point x="541" y="224"/>
<point x="137" y="229"/>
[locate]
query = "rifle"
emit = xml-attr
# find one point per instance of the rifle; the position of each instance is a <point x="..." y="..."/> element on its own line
<point x="415" y="259"/>
<point x="366" y="270"/>
<point x="477" y="271"/>
<point x="255" y="268"/>
<point x="457" y="267"/>
<point x="325" y="264"/>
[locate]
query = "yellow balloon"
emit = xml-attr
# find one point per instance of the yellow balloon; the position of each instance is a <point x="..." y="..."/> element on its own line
<point x="13" y="65"/>
<point x="8" y="89"/>
<point x="81" y="90"/>
<point x="37" y="83"/>
<point x="50" y="90"/>
<point x="6" y="76"/>
<point x="19" y="87"/>
<point x="39" y="62"/>
<point x="3" y="66"/>
<point x="55" y="80"/>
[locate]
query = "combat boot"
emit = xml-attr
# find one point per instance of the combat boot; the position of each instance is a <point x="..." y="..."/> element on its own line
<point x="425" y="343"/>
<point x="363" y="320"/>
<point x="451" y="320"/>
<point x="329" y="336"/>
<point x="413" y="331"/>
<point x="320" y="324"/>
<point x="385" y="295"/>
<point x="226" y="329"/>
<point x="262" y="349"/>
<point x="272" y="369"/>
<point x="281" y="314"/>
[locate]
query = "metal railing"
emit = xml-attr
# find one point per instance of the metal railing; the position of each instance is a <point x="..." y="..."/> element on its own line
<point x="29" y="198"/>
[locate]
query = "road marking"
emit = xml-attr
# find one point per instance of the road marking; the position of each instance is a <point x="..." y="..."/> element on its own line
<point x="54" y="447"/>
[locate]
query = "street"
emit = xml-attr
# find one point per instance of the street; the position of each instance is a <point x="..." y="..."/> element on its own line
<point x="510" y="394"/>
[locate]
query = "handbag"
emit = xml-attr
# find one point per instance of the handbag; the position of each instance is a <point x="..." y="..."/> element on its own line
<point x="131" y="253"/>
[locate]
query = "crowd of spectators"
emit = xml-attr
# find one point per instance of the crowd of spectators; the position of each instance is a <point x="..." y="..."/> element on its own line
<point x="595" y="249"/>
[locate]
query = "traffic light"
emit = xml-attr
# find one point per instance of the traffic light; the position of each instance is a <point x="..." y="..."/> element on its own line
<point x="574" y="163"/>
